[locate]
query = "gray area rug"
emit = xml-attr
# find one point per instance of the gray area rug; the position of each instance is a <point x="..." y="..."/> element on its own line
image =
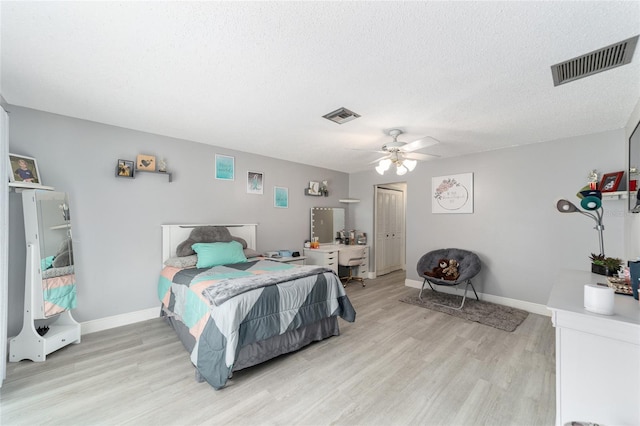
<point x="497" y="316"/>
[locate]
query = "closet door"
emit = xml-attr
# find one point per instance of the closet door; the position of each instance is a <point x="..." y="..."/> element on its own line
<point x="389" y="231"/>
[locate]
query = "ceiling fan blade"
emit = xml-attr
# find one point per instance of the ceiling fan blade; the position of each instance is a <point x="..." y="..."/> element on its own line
<point x="419" y="144"/>
<point x="381" y="158"/>
<point x="418" y="156"/>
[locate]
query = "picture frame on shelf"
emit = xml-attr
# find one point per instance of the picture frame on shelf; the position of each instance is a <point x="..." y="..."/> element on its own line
<point x="146" y="163"/>
<point x="125" y="169"/>
<point x="23" y="169"/>
<point x="280" y="197"/>
<point x="225" y="167"/>
<point x="611" y="181"/>
<point x="314" y="188"/>
<point x="255" y="183"/>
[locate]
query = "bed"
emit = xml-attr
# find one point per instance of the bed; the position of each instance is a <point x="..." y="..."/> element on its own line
<point x="231" y="316"/>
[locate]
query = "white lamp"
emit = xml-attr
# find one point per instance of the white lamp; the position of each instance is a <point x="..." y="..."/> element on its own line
<point x="401" y="170"/>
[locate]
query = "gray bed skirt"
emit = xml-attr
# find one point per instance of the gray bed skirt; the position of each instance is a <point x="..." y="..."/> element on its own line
<point x="265" y="350"/>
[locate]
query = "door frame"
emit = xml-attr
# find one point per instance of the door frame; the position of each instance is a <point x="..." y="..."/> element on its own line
<point x="396" y="186"/>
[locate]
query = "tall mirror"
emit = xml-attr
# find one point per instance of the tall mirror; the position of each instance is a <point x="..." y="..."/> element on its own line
<point x="634" y="170"/>
<point x="326" y="222"/>
<point x="50" y="284"/>
<point x="54" y="223"/>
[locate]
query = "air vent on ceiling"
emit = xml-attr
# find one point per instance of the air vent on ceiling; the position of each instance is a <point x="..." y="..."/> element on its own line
<point x="599" y="60"/>
<point x="341" y="115"/>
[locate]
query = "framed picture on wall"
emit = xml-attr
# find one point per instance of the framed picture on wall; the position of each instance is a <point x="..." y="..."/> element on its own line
<point x="23" y="169"/>
<point x="125" y="168"/>
<point x="280" y="197"/>
<point x="610" y="181"/>
<point x="452" y="194"/>
<point x="225" y="167"/>
<point x="255" y="183"/>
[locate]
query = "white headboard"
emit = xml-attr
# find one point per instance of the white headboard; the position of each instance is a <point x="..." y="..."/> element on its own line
<point x="173" y="235"/>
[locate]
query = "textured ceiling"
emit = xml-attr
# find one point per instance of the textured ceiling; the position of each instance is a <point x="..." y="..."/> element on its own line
<point x="257" y="77"/>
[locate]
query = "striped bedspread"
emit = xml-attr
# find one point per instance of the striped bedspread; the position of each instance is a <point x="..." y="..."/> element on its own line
<point x="220" y="330"/>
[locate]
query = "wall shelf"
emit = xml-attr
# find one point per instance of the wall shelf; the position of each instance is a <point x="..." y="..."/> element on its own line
<point x="307" y="191"/>
<point x="168" y="174"/>
<point x="20" y="186"/>
<point x="618" y="195"/>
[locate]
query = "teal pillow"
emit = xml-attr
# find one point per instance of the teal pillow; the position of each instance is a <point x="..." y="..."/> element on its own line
<point x="46" y="263"/>
<point x="214" y="254"/>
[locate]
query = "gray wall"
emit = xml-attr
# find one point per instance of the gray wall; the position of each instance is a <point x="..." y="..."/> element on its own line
<point x="117" y="220"/>
<point x="515" y="228"/>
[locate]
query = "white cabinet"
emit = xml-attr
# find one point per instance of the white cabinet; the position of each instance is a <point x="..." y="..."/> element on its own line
<point x="328" y="256"/>
<point x="363" y="270"/>
<point x="323" y="256"/>
<point x="597" y="356"/>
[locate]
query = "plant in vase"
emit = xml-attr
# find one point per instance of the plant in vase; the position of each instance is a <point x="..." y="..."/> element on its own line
<point x="602" y="265"/>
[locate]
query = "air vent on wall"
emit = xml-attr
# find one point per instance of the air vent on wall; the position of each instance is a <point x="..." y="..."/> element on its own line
<point x="599" y="60"/>
<point x="341" y="115"/>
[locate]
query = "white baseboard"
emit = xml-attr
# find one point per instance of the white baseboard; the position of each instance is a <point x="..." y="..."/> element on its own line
<point x="534" y="308"/>
<point x="119" y="320"/>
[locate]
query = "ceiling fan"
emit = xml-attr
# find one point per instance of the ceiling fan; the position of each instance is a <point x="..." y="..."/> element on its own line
<point x="401" y="153"/>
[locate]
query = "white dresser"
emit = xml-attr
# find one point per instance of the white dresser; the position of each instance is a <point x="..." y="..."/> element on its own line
<point x="597" y="356"/>
<point x="327" y="255"/>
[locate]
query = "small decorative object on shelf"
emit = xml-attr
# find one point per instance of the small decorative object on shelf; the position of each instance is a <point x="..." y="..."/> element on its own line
<point x="162" y="165"/>
<point x="633" y="179"/>
<point x="125" y="168"/>
<point x="324" y="189"/>
<point x="146" y="163"/>
<point x="593" y="179"/>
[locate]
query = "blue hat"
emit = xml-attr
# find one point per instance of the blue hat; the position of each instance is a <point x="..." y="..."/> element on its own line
<point x="590" y="193"/>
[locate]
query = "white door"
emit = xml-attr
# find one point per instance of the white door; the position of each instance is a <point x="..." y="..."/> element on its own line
<point x="389" y="230"/>
<point x="4" y="241"/>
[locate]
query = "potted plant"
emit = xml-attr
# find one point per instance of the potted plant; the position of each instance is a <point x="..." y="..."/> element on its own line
<point x="602" y="265"/>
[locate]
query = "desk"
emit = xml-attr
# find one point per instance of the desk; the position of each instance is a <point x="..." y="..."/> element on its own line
<point x="327" y="255"/>
<point x="597" y="356"/>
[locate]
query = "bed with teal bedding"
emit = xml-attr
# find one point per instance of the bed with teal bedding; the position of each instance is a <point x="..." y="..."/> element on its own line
<point x="237" y="315"/>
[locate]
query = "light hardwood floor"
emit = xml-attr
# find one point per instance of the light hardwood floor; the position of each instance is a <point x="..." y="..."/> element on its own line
<point x="398" y="364"/>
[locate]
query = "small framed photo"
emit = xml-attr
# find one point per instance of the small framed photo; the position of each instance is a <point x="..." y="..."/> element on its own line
<point x="610" y="182"/>
<point x="23" y="169"/>
<point x="146" y="162"/>
<point x="225" y="167"/>
<point x="314" y="188"/>
<point x="255" y="183"/>
<point x="125" y="168"/>
<point x="280" y="197"/>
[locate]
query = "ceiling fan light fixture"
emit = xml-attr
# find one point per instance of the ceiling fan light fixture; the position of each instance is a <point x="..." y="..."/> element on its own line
<point x="401" y="170"/>
<point x="385" y="164"/>
<point x="380" y="169"/>
<point x="410" y="164"/>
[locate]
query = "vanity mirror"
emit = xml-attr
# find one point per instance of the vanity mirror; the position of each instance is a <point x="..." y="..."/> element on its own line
<point x="634" y="168"/>
<point x="326" y="222"/>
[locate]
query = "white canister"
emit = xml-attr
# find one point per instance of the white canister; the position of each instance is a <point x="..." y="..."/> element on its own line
<point x="599" y="299"/>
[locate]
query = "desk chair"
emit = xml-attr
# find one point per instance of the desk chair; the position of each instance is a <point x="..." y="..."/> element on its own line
<point x="350" y="258"/>
<point x="469" y="266"/>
